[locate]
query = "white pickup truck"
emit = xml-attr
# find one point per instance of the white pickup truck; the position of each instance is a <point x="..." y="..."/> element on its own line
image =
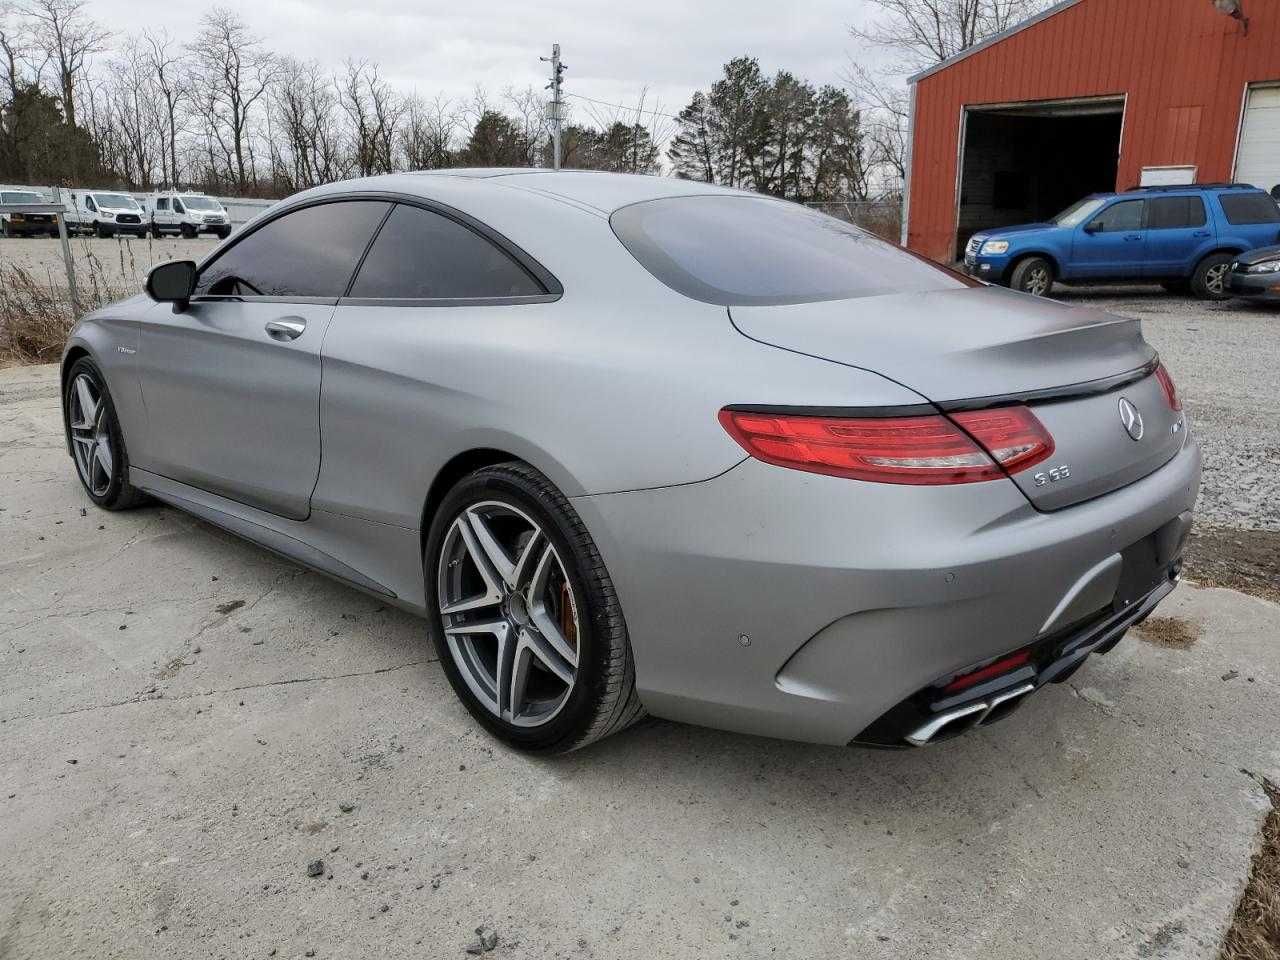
<point x="103" y="213"/>
<point x="188" y="214"/>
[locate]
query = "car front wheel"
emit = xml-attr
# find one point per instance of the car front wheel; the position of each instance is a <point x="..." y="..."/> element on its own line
<point x="96" y="440"/>
<point x="524" y="616"/>
<point x="1034" y="275"/>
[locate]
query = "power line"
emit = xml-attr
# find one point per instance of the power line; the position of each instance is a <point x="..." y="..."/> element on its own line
<point x="621" y="106"/>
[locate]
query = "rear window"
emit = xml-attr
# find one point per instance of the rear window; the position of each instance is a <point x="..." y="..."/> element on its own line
<point x="1169" y="213"/>
<point x="756" y="251"/>
<point x="1245" y="208"/>
<point x="20" y="196"/>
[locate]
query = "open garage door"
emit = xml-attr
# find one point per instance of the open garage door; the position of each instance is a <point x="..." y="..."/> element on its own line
<point x="1258" y="159"/>
<point x="1025" y="162"/>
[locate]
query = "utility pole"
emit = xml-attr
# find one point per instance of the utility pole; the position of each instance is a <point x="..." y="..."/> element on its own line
<point x="555" y="109"/>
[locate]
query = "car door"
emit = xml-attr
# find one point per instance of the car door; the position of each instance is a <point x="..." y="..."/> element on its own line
<point x="1113" y="243"/>
<point x="439" y="305"/>
<point x="1177" y="230"/>
<point x="231" y="383"/>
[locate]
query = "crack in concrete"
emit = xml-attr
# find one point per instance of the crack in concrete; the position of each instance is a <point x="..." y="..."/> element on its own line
<point x="153" y="698"/>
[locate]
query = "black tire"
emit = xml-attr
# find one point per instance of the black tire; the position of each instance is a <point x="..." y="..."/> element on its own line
<point x="1181" y="287"/>
<point x="118" y="493"/>
<point x="602" y="699"/>
<point x="223" y="233"/>
<point x="188" y="231"/>
<point x="1033" y="275"/>
<point x="1209" y="281"/>
<point x="102" y="232"/>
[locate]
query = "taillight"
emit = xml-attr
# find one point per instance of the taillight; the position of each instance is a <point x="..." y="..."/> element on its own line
<point x="1167" y="388"/>
<point x="928" y="450"/>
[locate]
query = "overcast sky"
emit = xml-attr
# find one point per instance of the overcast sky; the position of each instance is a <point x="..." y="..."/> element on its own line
<point x="613" y="50"/>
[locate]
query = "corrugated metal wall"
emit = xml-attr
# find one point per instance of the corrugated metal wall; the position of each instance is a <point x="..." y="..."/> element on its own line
<point x="1183" y="66"/>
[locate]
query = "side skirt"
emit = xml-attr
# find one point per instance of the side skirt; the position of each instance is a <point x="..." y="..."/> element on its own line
<point x="377" y="558"/>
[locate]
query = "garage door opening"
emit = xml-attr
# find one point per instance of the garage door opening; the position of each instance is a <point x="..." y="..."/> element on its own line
<point x="1024" y="163"/>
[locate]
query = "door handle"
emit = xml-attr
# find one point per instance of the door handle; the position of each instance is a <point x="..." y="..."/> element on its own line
<point x="1201" y="233"/>
<point x="1133" y="236"/>
<point x="286" y="328"/>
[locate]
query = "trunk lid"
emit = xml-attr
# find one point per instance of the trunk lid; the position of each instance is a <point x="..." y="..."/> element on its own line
<point x="986" y="346"/>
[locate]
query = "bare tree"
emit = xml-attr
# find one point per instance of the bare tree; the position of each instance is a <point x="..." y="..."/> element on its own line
<point x="429" y="133"/>
<point x="309" y="145"/>
<point x="234" y="72"/>
<point x="373" y="109"/>
<point x="70" y="37"/>
<point x="921" y="33"/>
<point x="171" y="85"/>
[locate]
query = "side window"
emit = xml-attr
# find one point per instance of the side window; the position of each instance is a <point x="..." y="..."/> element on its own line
<point x="424" y="255"/>
<point x="178" y="207"/>
<point x="1169" y="213"/>
<point x="162" y="203"/>
<point x="1245" y="208"/>
<point x="307" y="253"/>
<point x="1125" y="215"/>
<point x="90" y="205"/>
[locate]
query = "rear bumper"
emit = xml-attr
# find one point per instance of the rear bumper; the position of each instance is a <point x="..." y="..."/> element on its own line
<point x="793" y="605"/>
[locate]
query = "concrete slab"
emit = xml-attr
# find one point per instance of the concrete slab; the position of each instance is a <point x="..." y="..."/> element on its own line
<point x="164" y="786"/>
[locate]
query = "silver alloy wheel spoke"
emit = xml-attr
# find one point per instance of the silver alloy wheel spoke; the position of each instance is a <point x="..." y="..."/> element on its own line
<point x="542" y="620"/>
<point x="494" y="554"/>
<point x="507" y="638"/>
<point x="90" y="435"/>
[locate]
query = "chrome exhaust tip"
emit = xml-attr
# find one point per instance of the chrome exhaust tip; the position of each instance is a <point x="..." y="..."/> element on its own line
<point x="965" y="717"/>
<point x="956" y="721"/>
<point x="1004" y="704"/>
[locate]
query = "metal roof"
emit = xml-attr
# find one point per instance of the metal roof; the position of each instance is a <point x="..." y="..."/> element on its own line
<point x="994" y="39"/>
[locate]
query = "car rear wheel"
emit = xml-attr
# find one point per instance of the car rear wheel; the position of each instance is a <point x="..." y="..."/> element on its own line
<point x="188" y="231"/>
<point x="96" y="440"/>
<point x="1034" y="275"/>
<point x="1209" y="282"/>
<point x="524" y="616"/>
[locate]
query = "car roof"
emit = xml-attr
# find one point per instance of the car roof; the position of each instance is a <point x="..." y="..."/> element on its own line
<point x="601" y="191"/>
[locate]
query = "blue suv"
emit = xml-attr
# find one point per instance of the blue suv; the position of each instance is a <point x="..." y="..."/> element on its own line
<point x="1182" y="237"/>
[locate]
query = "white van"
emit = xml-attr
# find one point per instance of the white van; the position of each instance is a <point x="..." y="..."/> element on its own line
<point x="103" y="213"/>
<point x="188" y="214"/>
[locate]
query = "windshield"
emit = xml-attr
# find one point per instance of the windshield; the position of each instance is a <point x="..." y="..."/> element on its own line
<point x="20" y="196"/>
<point x="1078" y="212"/>
<point x="742" y="250"/>
<point x="200" y="203"/>
<point x="116" y="201"/>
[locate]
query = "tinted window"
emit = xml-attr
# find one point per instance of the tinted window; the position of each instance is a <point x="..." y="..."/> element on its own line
<point x="423" y="255"/>
<point x="177" y="207"/>
<point x="1167" y="213"/>
<point x="1126" y="215"/>
<point x="162" y="203"/>
<point x="748" y="250"/>
<point x="308" y="253"/>
<point x="1244" y="208"/>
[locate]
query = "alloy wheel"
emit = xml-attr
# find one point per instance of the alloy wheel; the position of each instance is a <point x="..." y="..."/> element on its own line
<point x="1215" y="278"/>
<point x="91" y="435"/>
<point x="1037" y="283"/>
<point x="508" y="612"/>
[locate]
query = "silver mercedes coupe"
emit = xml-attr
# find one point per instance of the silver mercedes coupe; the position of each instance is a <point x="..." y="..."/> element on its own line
<point x="641" y="445"/>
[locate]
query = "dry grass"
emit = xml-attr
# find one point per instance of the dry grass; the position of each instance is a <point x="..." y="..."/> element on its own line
<point x="36" y="312"/>
<point x="1171" y="632"/>
<point x="1255" y="930"/>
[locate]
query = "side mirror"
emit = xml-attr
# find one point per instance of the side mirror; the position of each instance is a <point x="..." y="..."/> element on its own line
<point x="172" y="282"/>
<point x="1094" y="226"/>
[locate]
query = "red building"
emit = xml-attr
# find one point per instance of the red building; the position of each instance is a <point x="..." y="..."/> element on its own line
<point x="1090" y="96"/>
